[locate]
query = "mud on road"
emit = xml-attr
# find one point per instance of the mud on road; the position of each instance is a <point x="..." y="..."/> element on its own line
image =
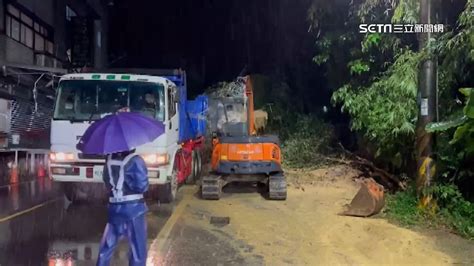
<point x="304" y="230"/>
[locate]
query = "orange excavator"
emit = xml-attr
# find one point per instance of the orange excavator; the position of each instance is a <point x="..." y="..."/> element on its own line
<point x="238" y="153"/>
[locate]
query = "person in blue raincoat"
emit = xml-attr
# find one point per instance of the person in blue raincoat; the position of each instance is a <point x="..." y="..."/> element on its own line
<point x="126" y="177"/>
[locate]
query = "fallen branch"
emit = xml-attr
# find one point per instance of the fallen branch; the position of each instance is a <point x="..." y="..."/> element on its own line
<point x="370" y="169"/>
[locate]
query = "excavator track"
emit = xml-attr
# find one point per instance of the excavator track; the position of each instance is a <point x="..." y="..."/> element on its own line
<point x="277" y="187"/>
<point x="211" y="187"/>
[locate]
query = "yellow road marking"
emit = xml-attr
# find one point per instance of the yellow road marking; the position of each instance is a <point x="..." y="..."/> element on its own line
<point x="165" y="232"/>
<point x="27" y="210"/>
<point x="157" y="247"/>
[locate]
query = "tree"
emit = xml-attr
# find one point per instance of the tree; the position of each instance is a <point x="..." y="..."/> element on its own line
<point x="375" y="76"/>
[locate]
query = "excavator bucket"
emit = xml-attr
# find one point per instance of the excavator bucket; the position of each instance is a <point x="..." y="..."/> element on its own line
<point x="368" y="201"/>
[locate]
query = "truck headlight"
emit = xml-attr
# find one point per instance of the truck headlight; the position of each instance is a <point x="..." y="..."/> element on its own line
<point x="156" y="159"/>
<point x="61" y="156"/>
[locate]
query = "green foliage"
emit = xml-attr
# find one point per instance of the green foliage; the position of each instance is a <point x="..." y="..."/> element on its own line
<point x="452" y="210"/>
<point x="281" y="120"/>
<point x="407" y="11"/>
<point x="358" y="67"/>
<point x="454" y="152"/>
<point x="375" y="77"/>
<point x="456" y="47"/>
<point x="451" y="163"/>
<point x="323" y="55"/>
<point x="386" y="110"/>
<point x="321" y="58"/>
<point x="448" y="196"/>
<point x="380" y="87"/>
<point x="443" y="126"/>
<point x="377" y="87"/>
<point x="464" y="125"/>
<point x="371" y="40"/>
<point x="309" y="139"/>
<point x="403" y="208"/>
<point x="373" y="10"/>
<point x="469" y="108"/>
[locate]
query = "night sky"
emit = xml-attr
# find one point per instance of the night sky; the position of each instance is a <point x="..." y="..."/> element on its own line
<point x="214" y="39"/>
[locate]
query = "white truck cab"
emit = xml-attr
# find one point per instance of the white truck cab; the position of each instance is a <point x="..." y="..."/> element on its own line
<point x="84" y="98"/>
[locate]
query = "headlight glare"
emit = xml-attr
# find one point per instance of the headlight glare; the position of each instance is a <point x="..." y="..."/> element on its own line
<point x="61" y="156"/>
<point x="156" y="159"/>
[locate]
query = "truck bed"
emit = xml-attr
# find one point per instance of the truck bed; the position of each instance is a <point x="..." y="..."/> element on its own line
<point x="192" y="118"/>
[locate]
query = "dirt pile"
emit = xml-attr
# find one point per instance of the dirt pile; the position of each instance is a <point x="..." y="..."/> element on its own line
<point x="307" y="230"/>
<point x="325" y="176"/>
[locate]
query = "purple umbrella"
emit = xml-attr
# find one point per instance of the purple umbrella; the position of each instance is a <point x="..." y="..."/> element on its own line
<point x="119" y="132"/>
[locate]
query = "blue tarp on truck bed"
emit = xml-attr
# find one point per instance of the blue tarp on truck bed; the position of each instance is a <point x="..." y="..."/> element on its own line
<point x="192" y="113"/>
<point x="192" y="119"/>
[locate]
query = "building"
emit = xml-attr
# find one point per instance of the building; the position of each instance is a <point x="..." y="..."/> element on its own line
<point x="39" y="41"/>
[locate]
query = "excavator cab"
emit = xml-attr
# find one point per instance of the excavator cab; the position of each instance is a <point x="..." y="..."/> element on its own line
<point x="238" y="153"/>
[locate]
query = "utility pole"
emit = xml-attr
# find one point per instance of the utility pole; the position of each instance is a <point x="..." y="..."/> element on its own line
<point x="426" y="167"/>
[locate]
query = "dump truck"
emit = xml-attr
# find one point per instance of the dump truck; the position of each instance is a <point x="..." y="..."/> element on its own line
<point x="172" y="159"/>
<point x="239" y="154"/>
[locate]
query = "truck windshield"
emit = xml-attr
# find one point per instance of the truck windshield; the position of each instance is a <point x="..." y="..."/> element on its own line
<point x="84" y="100"/>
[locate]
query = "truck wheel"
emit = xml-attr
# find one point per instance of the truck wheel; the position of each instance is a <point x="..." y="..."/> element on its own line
<point x="167" y="192"/>
<point x="191" y="179"/>
<point x="199" y="165"/>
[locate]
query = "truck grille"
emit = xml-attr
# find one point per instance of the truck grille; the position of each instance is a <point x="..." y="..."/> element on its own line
<point x="91" y="157"/>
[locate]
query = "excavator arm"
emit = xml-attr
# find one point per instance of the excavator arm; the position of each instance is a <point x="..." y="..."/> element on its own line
<point x="250" y="107"/>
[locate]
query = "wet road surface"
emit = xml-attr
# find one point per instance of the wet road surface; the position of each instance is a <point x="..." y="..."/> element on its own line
<point x="38" y="227"/>
<point x="190" y="238"/>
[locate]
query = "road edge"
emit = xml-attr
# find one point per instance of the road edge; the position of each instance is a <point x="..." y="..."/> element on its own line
<point x="157" y="251"/>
